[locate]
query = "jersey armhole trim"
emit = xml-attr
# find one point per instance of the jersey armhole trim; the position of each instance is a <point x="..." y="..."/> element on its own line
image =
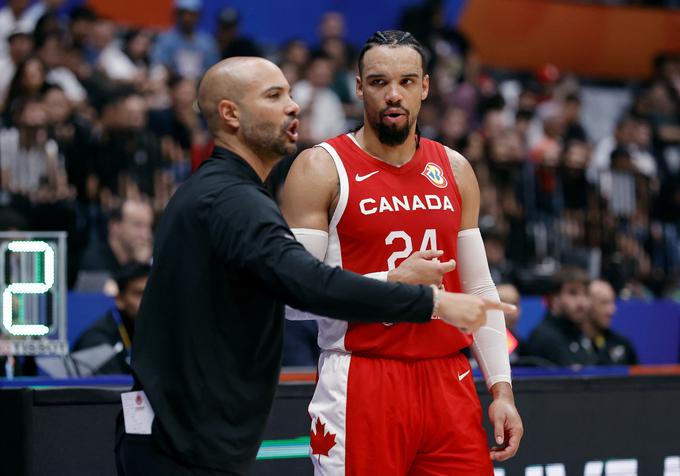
<point x="447" y="164"/>
<point x="344" y="185"/>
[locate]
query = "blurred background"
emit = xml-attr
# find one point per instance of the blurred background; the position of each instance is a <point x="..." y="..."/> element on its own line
<point x="569" y="112"/>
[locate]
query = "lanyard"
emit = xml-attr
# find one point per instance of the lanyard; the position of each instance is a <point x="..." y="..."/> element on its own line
<point x="124" y="336"/>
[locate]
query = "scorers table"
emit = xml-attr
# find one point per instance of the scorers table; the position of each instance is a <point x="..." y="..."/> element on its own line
<point x="614" y="421"/>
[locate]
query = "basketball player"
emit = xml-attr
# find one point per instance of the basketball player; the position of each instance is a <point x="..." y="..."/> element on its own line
<point x="209" y="333"/>
<point x="366" y="201"/>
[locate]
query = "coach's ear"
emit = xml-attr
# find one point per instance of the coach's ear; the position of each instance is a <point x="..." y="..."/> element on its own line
<point x="426" y="87"/>
<point x="229" y="113"/>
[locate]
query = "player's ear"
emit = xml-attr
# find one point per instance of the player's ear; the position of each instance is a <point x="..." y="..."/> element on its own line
<point x="359" y="88"/>
<point x="229" y="113"/>
<point x="426" y="87"/>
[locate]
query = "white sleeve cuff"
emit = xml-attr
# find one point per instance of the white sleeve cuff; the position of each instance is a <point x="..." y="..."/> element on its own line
<point x="314" y="241"/>
<point x="490" y="345"/>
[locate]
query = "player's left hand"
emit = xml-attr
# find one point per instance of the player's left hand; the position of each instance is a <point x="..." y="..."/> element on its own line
<point x="508" y="428"/>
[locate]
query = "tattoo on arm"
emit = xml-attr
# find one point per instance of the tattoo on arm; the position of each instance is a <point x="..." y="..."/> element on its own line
<point x="456" y="167"/>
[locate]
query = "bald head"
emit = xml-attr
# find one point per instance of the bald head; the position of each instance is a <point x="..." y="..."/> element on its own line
<point x="602" y="303"/>
<point x="601" y="288"/>
<point x="231" y="80"/>
<point x="247" y="104"/>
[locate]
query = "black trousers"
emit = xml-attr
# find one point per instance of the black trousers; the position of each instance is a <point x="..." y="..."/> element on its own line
<point x="138" y="455"/>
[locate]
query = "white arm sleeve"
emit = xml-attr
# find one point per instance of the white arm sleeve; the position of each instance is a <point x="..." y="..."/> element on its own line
<point x="490" y="345"/>
<point x="316" y="242"/>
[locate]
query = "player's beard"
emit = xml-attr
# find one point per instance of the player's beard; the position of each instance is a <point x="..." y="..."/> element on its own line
<point x="392" y="135"/>
<point x="267" y="139"/>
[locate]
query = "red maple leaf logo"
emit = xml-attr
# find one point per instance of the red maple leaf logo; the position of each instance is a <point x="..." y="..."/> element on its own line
<point x="320" y="441"/>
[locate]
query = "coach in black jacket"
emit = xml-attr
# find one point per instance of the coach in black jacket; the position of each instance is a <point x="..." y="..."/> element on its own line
<point x="208" y="342"/>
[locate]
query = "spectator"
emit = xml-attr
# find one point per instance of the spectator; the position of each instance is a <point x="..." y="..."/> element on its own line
<point x="179" y="127"/>
<point x="633" y="135"/>
<point x="229" y="39"/>
<point x="500" y="268"/>
<point x="20" y="46"/>
<point x="611" y="347"/>
<point x="509" y="293"/>
<point x="28" y="82"/>
<point x="129" y="62"/>
<point x="294" y="57"/>
<point x="12" y="17"/>
<point x="128" y="161"/>
<point x="40" y="10"/>
<point x="573" y="130"/>
<point x="343" y="76"/>
<point x="321" y="114"/>
<point x="48" y="25"/>
<point x="129" y="239"/>
<point x="546" y="155"/>
<point x="559" y="339"/>
<point x="29" y="160"/>
<point x="81" y="21"/>
<point x="331" y="26"/>
<point x="184" y="50"/>
<point x="295" y="52"/>
<point x="454" y="128"/>
<point x="51" y="52"/>
<point x="117" y="327"/>
<point x="73" y="136"/>
<point x="580" y="204"/>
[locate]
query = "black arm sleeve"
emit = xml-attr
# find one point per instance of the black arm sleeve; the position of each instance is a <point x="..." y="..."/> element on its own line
<point x="251" y="236"/>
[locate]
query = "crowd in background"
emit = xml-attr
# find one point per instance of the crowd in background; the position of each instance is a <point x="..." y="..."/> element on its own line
<point x="99" y="127"/>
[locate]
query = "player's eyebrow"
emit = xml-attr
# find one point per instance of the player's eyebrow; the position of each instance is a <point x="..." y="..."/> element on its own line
<point x="381" y="75"/>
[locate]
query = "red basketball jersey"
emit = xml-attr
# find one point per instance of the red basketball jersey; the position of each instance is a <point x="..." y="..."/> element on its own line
<point x="384" y="214"/>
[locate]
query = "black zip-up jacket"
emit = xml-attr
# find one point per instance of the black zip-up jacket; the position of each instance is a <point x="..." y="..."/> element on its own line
<point x="209" y="333"/>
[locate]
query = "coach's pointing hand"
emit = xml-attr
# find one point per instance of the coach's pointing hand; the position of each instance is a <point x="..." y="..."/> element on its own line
<point x="466" y="311"/>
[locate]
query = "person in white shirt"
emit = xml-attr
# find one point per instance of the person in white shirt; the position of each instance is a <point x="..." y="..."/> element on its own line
<point x="11" y="16"/>
<point x="20" y="46"/>
<point x="321" y="113"/>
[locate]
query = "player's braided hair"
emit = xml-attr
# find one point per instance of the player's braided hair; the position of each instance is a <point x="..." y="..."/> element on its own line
<point x="392" y="38"/>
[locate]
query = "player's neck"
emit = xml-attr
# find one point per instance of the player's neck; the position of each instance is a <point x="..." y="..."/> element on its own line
<point x="396" y="155"/>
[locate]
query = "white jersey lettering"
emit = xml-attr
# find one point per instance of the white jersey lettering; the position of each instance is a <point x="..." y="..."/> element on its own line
<point x="385" y="206"/>
<point x="370" y="206"/>
<point x="433" y="202"/>
<point x="367" y="211"/>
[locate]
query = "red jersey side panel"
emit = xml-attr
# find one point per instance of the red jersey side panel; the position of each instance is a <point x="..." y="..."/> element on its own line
<point x="390" y="213"/>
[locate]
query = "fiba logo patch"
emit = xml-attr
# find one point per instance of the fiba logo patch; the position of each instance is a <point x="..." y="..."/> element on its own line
<point x="435" y="175"/>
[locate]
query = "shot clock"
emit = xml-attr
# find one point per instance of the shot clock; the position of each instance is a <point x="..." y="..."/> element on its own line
<point x="33" y="293"/>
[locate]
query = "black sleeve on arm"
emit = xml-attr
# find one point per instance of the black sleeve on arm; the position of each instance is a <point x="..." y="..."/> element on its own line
<point x="250" y="235"/>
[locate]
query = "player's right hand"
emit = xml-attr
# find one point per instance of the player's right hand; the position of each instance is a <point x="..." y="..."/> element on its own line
<point x="422" y="267"/>
<point x="467" y="312"/>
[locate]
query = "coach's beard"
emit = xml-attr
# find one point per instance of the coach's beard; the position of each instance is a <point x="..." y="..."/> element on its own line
<point x="392" y="135"/>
